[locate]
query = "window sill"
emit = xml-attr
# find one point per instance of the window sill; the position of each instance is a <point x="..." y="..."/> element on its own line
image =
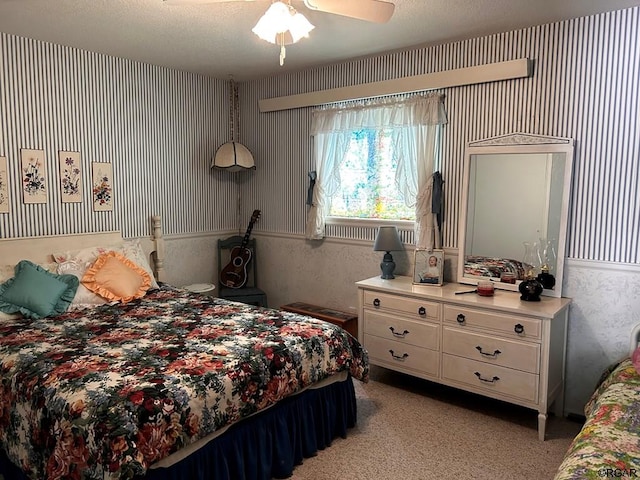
<point x="369" y="222"/>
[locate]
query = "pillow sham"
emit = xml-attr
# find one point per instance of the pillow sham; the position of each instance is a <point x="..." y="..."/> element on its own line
<point x="116" y="278"/>
<point x="84" y="297"/>
<point x="36" y="293"/>
<point x="134" y="252"/>
<point x="87" y="256"/>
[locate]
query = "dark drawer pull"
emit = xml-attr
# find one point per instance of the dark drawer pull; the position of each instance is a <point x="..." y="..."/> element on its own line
<point x="400" y="358"/>
<point x="460" y="318"/>
<point x="399" y="335"/>
<point x="376" y="302"/>
<point x="479" y="375"/>
<point x="494" y="354"/>
<point x="422" y="311"/>
<point x="518" y="329"/>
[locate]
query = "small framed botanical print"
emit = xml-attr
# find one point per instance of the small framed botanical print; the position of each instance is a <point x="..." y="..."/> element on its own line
<point x="70" y="177"/>
<point x="428" y="267"/>
<point x="102" y="187"/>
<point x="4" y="186"/>
<point x="34" y="176"/>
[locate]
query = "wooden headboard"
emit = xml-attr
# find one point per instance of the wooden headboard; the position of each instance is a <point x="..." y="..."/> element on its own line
<point x="40" y="249"/>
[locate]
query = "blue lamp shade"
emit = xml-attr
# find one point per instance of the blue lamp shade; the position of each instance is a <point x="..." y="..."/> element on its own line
<point x="387" y="240"/>
<point x="233" y="156"/>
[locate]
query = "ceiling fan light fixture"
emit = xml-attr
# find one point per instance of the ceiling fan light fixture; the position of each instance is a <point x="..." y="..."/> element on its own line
<point x="299" y="27"/>
<point x="281" y="24"/>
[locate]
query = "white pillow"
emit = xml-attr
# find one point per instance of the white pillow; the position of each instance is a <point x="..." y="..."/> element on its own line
<point x="134" y="252"/>
<point x="84" y="297"/>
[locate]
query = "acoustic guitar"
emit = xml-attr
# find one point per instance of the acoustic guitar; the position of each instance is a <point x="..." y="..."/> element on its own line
<point x="234" y="274"/>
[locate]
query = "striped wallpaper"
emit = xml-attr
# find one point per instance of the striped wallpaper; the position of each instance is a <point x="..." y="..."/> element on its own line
<point x="157" y="127"/>
<point x="585" y="86"/>
<point x="160" y="128"/>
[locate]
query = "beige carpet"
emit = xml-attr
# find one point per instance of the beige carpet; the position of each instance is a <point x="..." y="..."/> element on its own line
<point x="410" y="429"/>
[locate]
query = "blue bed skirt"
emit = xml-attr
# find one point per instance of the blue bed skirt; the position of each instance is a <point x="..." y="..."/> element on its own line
<point x="265" y="446"/>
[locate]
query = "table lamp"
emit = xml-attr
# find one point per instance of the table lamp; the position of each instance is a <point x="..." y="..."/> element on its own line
<point x="387" y="240"/>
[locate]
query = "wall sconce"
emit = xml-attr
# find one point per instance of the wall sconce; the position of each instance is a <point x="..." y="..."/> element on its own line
<point x="282" y="25"/>
<point x="387" y="240"/>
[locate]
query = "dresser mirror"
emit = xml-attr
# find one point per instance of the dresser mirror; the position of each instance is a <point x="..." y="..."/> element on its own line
<point x="515" y="195"/>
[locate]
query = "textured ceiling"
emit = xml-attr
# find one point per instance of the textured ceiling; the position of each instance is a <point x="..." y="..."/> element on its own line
<point x="216" y="39"/>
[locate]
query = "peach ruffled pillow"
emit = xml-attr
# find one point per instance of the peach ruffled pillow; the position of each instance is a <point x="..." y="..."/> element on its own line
<point x="116" y="278"/>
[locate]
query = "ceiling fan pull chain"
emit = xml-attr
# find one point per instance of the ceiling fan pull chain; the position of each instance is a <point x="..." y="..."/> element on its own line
<point x="283" y="54"/>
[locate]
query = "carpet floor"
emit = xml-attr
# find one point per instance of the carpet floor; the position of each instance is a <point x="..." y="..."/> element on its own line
<point x="411" y="429"/>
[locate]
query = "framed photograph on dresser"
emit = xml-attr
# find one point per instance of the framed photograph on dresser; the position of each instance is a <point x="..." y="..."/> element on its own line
<point x="428" y="267"/>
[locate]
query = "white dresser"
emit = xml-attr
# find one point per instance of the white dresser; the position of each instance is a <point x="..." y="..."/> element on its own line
<point x="497" y="346"/>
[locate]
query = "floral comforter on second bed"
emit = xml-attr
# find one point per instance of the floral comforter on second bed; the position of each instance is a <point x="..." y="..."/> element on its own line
<point x="105" y="393"/>
<point x="608" y="446"/>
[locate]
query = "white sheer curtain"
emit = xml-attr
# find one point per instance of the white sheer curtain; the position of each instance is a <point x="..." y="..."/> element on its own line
<point x="414" y="122"/>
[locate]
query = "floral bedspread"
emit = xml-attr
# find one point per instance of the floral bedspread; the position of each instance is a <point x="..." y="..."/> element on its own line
<point x="106" y="392"/>
<point x="608" y="446"/>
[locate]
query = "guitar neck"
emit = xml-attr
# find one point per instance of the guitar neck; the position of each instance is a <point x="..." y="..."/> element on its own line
<point x="254" y="217"/>
<point x="245" y="239"/>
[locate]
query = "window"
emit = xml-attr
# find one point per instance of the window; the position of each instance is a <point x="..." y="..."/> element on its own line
<point x="367" y="174"/>
<point x="374" y="160"/>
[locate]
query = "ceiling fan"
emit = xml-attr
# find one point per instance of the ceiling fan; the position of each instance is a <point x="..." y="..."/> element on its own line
<point x="283" y="25"/>
<point x="378" y="11"/>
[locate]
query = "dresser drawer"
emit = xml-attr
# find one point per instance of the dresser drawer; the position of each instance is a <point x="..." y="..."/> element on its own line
<point x="491" y="378"/>
<point x="411" y="306"/>
<point x="400" y="356"/>
<point x="523" y="356"/>
<point x="522" y="327"/>
<point x="412" y="332"/>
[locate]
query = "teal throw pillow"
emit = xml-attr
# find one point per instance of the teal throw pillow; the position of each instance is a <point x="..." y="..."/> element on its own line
<point x="36" y="293"/>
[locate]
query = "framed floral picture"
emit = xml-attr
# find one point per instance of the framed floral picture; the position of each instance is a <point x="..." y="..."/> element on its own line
<point x="102" y="187"/>
<point x="34" y="176"/>
<point x="70" y="177"/>
<point x="428" y="267"/>
<point x="4" y="186"/>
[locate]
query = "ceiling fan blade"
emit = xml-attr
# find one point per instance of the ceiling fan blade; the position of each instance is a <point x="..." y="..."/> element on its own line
<point x="377" y="11"/>
<point x="200" y="2"/>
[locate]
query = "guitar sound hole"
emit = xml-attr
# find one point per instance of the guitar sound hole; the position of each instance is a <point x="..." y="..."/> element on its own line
<point x="237" y="261"/>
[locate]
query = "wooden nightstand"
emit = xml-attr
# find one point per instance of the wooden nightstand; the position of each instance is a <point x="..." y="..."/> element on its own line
<point x="346" y="320"/>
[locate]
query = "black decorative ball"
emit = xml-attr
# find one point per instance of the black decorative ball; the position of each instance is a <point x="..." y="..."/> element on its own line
<point x="530" y="290"/>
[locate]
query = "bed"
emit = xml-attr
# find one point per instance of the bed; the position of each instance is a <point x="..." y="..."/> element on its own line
<point x="608" y="445"/>
<point x="168" y="384"/>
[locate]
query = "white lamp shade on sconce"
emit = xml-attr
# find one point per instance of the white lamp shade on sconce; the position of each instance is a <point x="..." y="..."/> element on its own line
<point x="234" y="157"/>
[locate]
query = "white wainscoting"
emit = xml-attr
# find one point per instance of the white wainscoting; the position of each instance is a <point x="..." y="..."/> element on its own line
<point x="605" y="308"/>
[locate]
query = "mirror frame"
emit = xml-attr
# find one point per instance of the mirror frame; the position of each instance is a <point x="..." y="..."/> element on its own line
<point x="518" y="143"/>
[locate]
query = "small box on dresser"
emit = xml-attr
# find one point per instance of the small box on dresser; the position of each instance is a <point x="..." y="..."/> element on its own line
<point x="497" y="346"/>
